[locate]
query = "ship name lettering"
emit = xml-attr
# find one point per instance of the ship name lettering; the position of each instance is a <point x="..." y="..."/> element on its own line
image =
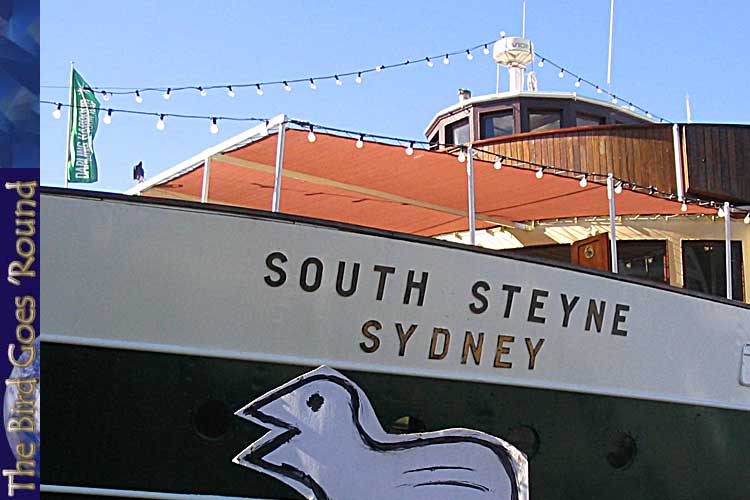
<point x="441" y="341"/>
<point x="314" y="275"/>
<point x="594" y="316"/>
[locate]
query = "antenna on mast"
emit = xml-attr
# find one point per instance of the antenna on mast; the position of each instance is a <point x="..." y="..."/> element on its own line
<point x="687" y="109"/>
<point x="611" y="30"/>
<point x="523" y="22"/>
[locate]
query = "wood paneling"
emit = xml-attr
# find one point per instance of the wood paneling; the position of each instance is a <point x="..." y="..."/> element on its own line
<point x="716" y="161"/>
<point x="643" y="154"/>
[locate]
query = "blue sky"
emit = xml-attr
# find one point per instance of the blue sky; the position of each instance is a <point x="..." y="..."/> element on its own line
<point x="662" y="50"/>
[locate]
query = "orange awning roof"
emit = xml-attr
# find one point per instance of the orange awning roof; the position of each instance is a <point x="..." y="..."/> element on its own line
<point x="380" y="186"/>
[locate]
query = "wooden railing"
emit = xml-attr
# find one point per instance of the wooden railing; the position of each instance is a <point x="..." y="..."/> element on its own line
<point x="716" y="158"/>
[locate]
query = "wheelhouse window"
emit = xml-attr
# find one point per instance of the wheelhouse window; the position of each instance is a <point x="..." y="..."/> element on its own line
<point x="496" y="124"/>
<point x="435" y="141"/>
<point x="458" y="132"/>
<point x="704" y="267"/>
<point x="584" y="120"/>
<point x="646" y="259"/>
<point x="544" y="120"/>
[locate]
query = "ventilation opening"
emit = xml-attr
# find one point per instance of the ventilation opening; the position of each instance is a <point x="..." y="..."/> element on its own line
<point x="211" y="419"/>
<point x="622" y="450"/>
<point x="407" y="425"/>
<point x="524" y="438"/>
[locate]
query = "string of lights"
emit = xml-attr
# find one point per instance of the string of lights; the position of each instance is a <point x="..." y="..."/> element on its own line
<point x="460" y="151"/>
<point x="312" y="81"/>
<point x="580" y="80"/>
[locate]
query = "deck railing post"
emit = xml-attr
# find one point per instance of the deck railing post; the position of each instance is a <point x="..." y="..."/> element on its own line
<point x="678" y="170"/>
<point x="206" y="178"/>
<point x="728" y="246"/>
<point x="612" y="228"/>
<point x="472" y="211"/>
<point x="279" y="167"/>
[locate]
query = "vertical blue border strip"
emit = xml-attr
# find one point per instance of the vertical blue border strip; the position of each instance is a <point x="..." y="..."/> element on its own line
<point x="19" y="247"/>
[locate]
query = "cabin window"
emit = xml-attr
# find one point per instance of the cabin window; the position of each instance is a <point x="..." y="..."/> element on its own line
<point x="458" y="132"/>
<point x="559" y="253"/>
<point x="496" y="124"/>
<point x="584" y="120"/>
<point x="544" y="120"/>
<point x="703" y="267"/>
<point x="646" y="259"/>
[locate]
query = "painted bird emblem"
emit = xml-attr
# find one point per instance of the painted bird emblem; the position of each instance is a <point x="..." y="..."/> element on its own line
<point x="327" y="443"/>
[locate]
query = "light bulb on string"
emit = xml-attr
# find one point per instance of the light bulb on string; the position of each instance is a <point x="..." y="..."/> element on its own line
<point x="584" y="181"/>
<point x="360" y="142"/>
<point x="498" y="163"/>
<point x="312" y="84"/>
<point x="683" y="207"/>
<point x="541" y="63"/>
<point x="429" y="62"/>
<point x="287" y="87"/>
<point x="446" y="59"/>
<point x="462" y="156"/>
<point x="160" y="123"/>
<point x="379" y="68"/>
<point x="258" y="90"/>
<point x="311" y="135"/>
<point x="338" y="80"/>
<point x="746" y="220"/>
<point x="230" y="91"/>
<point x="648" y="114"/>
<point x="409" y="149"/>
<point x="486" y="49"/>
<point x="720" y="212"/>
<point x="105" y="95"/>
<point x="57" y="113"/>
<point x="138" y="97"/>
<point x="539" y="173"/>
<point x="599" y="90"/>
<point x="469" y="55"/>
<point x="618" y="188"/>
<point x="202" y="91"/>
<point x="561" y="74"/>
<point x="214" y="129"/>
<point x="359" y="78"/>
<point x="168" y="94"/>
<point x="578" y="83"/>
<point x="614" y="99"/>
<point x="108" y="117"/>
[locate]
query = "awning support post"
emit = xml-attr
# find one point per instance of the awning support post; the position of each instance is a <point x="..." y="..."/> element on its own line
<point x="678" y="169"/>
<point x="612" y="228"/>
<point x="279" y="166"/>
<point x="728" y="246"/>
<point x="472" y="211"/>
<point x="206" y="177"/>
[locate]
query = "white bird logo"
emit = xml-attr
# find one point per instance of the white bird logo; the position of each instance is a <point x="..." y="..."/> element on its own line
<point x="327" y="443"/>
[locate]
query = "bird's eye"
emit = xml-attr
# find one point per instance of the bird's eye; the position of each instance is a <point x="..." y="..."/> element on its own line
<point x="315" y="402"/>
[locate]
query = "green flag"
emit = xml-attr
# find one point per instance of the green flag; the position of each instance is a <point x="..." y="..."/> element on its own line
<point x="82" y="124"/>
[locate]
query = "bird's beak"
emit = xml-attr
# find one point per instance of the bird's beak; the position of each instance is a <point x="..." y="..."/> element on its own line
<point x="268" y="411"/>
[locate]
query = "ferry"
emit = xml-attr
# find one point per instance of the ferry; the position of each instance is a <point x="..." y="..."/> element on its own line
<point x="561" y="272"/>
